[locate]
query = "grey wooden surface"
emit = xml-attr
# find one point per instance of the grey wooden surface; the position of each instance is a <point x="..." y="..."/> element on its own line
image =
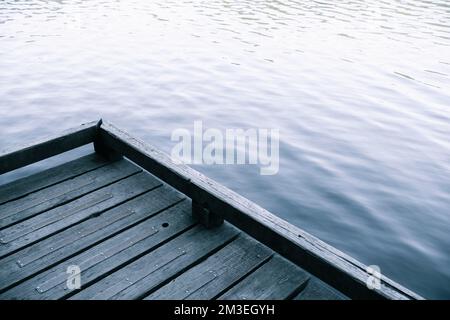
<point x="154" y="269"/>
<point x="217" y="273"/>
<point x="316" y="290"/>
<point x="49" y="222"/>
<point x="133" y="237"/>
<point x="276" y="279"/>
<point x="45" y="178"/>
<point x="64" y="244"/>
<point x="64" y="192"/>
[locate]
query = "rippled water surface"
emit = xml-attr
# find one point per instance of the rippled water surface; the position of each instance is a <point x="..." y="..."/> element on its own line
<point x="360" y="91"/>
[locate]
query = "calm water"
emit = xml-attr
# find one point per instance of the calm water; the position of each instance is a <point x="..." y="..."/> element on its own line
<point x="360" y="91"/>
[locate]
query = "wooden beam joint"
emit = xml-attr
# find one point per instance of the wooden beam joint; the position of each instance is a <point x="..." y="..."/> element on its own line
<point x="203" y="215"/>
<point x="101" y="148"/>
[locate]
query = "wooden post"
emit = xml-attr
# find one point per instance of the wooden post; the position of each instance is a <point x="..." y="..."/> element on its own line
<point x="203" y="215"/>
<point x="101" y="148"/>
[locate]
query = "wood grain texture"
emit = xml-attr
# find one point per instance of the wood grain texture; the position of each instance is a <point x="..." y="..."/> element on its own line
<point x="20" y="156"/>
<point x="49" y="177"/>
<point x="217" y="273"/>
<point x="318" y="290"/>
<point x="64" y="192"/>
<point x="52" y="221"/>
<point x="107" y="256"/>
<point x="275" y="280"/>
<point x="62" y="245"/>
<point x="147" y="273"/>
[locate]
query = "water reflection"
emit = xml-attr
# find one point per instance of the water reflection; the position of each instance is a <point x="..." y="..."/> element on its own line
<point x="358" y="89"/>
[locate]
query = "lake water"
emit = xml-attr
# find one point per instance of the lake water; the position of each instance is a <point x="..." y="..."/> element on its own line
<point x="360" y="91"/>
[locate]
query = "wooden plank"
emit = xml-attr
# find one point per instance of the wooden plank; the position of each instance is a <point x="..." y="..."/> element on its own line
<point x="52" y="221"/>
<point x="318" y="290"/>
<point x="60" y="246"/>
<point x="216" y="274"/>
<point x="333" y="266"/>
<point x="277" y="279"/>
<point x="144" y="275"/>
<point x="49" y="177"/>
<point x="17" y="157"/>
<point x="107" y="256"/>
<point x="64" y="192"/>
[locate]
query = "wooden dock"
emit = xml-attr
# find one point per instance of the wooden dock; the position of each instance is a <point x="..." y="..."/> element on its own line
<point x="140" y="226"/>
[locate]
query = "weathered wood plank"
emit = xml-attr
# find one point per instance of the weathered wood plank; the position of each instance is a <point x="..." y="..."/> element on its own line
<point x="144" y="275"/>
<point x="217" y="273"/>
<point x="318" y="290"/>
<point x="64" y="192"/>
<point x="277" y="279"/>
<point x="317" y="257"/>
<point x="60" y="246"/>
<point x="108" y="256"/>
<point x="49" y="177"/>
<point x="21" y="156"/>
<point x="52" y="221"/>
